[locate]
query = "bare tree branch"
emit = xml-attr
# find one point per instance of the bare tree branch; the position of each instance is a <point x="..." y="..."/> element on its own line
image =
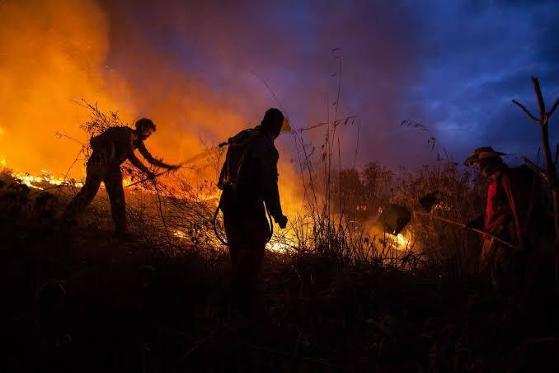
<point x="539" y="94"/>
<point x="530" y="115"/>
<point x="553" y="108"/>
<point x="540" y="172"/>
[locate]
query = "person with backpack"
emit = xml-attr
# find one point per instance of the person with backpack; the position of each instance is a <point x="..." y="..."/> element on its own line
<point x="513" y="212"/>
<point x="110" y="149"/>
<point x="249" y="184"/>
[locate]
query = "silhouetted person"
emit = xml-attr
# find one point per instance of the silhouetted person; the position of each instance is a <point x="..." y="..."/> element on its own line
<point x="513" y="212"/>
<point x="110" y="149"/>
<point x="249" y="180"/>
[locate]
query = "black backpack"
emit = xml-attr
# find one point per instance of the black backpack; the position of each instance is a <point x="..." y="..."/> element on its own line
<point x="235" y="158"/>
<point x="104" y="140"/>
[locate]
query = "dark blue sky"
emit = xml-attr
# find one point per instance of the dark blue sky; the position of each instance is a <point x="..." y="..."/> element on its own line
<point x="452" y="65"/>
<point x="476" y="57"/>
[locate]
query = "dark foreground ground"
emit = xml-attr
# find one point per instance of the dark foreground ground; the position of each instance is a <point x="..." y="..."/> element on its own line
<point x="81" y="301"/>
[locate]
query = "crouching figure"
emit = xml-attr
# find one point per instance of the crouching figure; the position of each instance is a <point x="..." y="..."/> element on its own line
<point x="110" y="149"/>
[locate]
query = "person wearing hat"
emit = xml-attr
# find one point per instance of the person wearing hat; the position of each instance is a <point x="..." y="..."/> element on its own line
<point x="249" y="184"/>
<point x="511" y="205"/>
<point x="110" y="149"/>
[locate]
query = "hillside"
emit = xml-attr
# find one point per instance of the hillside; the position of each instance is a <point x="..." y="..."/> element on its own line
<point x="77" y="299"/>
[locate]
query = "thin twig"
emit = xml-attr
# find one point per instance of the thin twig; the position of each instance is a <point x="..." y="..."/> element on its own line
<point x="530" y="115"/>
<point x="539" y="95"/>
<point x="553" y="108"/>
<point x="536" y="169"/>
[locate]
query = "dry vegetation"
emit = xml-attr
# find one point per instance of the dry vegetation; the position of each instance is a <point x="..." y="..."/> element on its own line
<point x="338" y="299"/>
<point x="341" y="296"/>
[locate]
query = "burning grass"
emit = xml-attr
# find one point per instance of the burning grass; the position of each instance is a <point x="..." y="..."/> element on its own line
<point x="338" y="293"/>
<point x="335" y="296"/>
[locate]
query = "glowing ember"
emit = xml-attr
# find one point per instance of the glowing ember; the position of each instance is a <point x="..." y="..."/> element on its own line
<point x="398" y="242"/>
<point x="28" y="180"/>
<point x="402" y="242"/>
<point x="179" y="234"/>
<point x="32" y="181"/>
<point x="278" y="247"/>
<point x="126" y="181"/>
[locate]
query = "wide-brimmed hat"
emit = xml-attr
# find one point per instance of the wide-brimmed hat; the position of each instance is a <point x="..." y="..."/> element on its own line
<point x="485" y="152"/>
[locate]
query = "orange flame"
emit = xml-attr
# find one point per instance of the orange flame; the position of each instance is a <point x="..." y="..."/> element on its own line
<point x="53" y="53"/>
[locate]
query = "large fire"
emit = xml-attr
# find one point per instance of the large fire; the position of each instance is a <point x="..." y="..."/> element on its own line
<point x="35" y="182"/>
<point x="55" y="53"/>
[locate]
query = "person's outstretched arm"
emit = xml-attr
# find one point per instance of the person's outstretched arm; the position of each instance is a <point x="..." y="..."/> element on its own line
<point x="136" y="162"/>
<point x="151" y="159"/>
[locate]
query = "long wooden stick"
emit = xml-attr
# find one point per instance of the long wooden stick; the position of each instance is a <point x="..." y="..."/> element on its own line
<point x="147" y="179"/>
<point x="193" y="159"/>
<point x="464" y="226"/>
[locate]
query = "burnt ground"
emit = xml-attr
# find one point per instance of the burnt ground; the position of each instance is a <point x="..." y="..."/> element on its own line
<point x="79" y="300"/>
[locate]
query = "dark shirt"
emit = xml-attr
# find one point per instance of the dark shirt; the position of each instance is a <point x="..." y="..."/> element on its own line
<point x="257" y="179"/>
<point x="117" y="144"/>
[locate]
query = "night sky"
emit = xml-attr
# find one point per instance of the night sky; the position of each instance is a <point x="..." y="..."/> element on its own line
<point x="477" y="56"/>
<point x="452" y="65"/>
